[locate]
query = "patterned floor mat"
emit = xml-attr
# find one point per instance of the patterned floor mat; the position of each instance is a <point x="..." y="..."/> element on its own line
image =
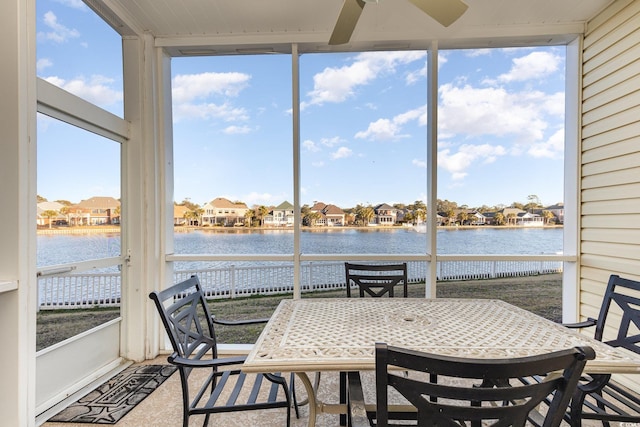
<point x="114" y="399"/>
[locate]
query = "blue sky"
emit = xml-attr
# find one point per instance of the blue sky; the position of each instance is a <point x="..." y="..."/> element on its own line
<point x="363" y="122"/>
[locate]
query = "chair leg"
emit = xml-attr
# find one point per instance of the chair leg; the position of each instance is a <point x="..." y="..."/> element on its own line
<point x="343" y="396"/>
<point x="289" y="413"/>
<point x="601" y="405"/>
<point x="292" y="392"/>
<point x="575" y="409"/>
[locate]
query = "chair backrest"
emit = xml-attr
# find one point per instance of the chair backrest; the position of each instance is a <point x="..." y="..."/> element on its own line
<point x="186" y="318"/>
<point x="491" y="398"/>
<point x="376" y="280"/>
<point x="625" y="294"/>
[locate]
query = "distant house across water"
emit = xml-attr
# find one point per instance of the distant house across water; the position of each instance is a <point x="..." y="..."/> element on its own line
<point x="280" y="216"/>
<point x="221" y="211"/>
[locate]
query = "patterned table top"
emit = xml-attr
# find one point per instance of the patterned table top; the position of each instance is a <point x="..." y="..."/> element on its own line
<point x="336" y="334"/>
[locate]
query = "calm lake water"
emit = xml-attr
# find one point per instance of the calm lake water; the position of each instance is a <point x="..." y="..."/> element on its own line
<point x="61" y="249"/>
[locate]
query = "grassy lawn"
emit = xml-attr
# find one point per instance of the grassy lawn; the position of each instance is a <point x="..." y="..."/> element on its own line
<point x="539" y="294"/>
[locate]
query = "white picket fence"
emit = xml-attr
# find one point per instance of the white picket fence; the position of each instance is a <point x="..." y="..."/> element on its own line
<point x="103" y="289"/>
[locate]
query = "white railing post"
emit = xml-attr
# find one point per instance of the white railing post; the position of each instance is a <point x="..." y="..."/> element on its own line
<point x="232" y="276"/>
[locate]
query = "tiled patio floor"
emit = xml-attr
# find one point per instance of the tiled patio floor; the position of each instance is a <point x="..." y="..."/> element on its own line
<point x="164" y="408"/>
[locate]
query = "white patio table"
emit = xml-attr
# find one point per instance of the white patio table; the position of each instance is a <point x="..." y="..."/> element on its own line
<point x="336" y="334"/>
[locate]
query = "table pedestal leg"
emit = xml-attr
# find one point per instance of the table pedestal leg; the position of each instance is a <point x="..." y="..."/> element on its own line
<point x="315" y="405"/>
<point x="311" y="397"/>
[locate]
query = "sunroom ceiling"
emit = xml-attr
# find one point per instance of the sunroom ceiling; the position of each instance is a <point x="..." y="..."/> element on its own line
<point x="199" y="27"/>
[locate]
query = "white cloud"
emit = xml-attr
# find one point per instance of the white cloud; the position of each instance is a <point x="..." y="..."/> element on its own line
<point x="535" y="65"/>
<point x="309" y="145"/>
<point x="96" y="90"/>
<point x="419" y="114"/>
<point x="458" y="176"/>
<point x="74" y="4"/>
<point x="419" y="163"/>
<point x="479" y="52"/>
<point x="422" y="73"/>
<point x="188" y="87"/>
<point x="552" y="148"/>
<point x="342" y="153"/>
<point x="255" y="198"/>
<point x="554" y="104"/>
<point x="318" y="164"/>
<point x="237" y="130"/>
<point x="390" y="129"/>
<point x="457" y="163"/>
<point x="43" y="63"/>
<point x="59" y="33"/>
<point x="492" y="111"/>
<point x="335" y="85"/>
<point x="381" y="129"/>
<point x="331" y="142"/>
<point x="419" y="74"/>
<point x="205" y="111"/>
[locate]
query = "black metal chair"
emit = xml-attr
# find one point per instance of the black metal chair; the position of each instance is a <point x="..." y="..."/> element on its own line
<point x="598" y="397"/>
<point x="469" y="390"/>
<point x="190" y="326"/>
<point x="376" y="280"/>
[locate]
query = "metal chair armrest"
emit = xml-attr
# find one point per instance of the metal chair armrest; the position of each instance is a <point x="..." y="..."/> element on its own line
<point x="205" y="363"/>
<point x="238" y="322"/>
<point x="589" y="322"/>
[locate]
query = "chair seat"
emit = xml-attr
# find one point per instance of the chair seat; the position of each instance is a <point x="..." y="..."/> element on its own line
<point x="235" y="390"/>
<point x="615" y="403"/>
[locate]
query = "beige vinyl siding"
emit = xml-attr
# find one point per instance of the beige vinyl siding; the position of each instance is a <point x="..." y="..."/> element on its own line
<point x="610" y="184"/>
<point x="610" y="154"/>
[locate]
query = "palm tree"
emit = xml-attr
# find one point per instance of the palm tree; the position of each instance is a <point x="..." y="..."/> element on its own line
<point x="419" y="205"/>
<point x="49" y="213"/>
<point x="248" y="217"/>
<point x="188" y="215"/>
<point x="313" y="217"/>
<point x="116" y="213"/>
<point x="451" y="216"/>
<point x="193" y="216"/>
<point x="66" y="212"/>
<point x="462" y="217"/>
<point x="198" y="212"/>
<point x="365" y="214"/>
<point x="409" y="217"/>
<point x="548" y="216"/>
<point x="262" y="212"/>
<point x="499" y="218"/>
<point x="534" y="202"/>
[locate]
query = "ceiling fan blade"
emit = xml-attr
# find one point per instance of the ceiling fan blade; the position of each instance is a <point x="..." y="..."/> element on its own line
<point x="446" y="12"/>
<point x="347" y="20"/>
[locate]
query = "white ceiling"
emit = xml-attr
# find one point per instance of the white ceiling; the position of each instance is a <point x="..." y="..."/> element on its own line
<point x="192" y="27"/>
